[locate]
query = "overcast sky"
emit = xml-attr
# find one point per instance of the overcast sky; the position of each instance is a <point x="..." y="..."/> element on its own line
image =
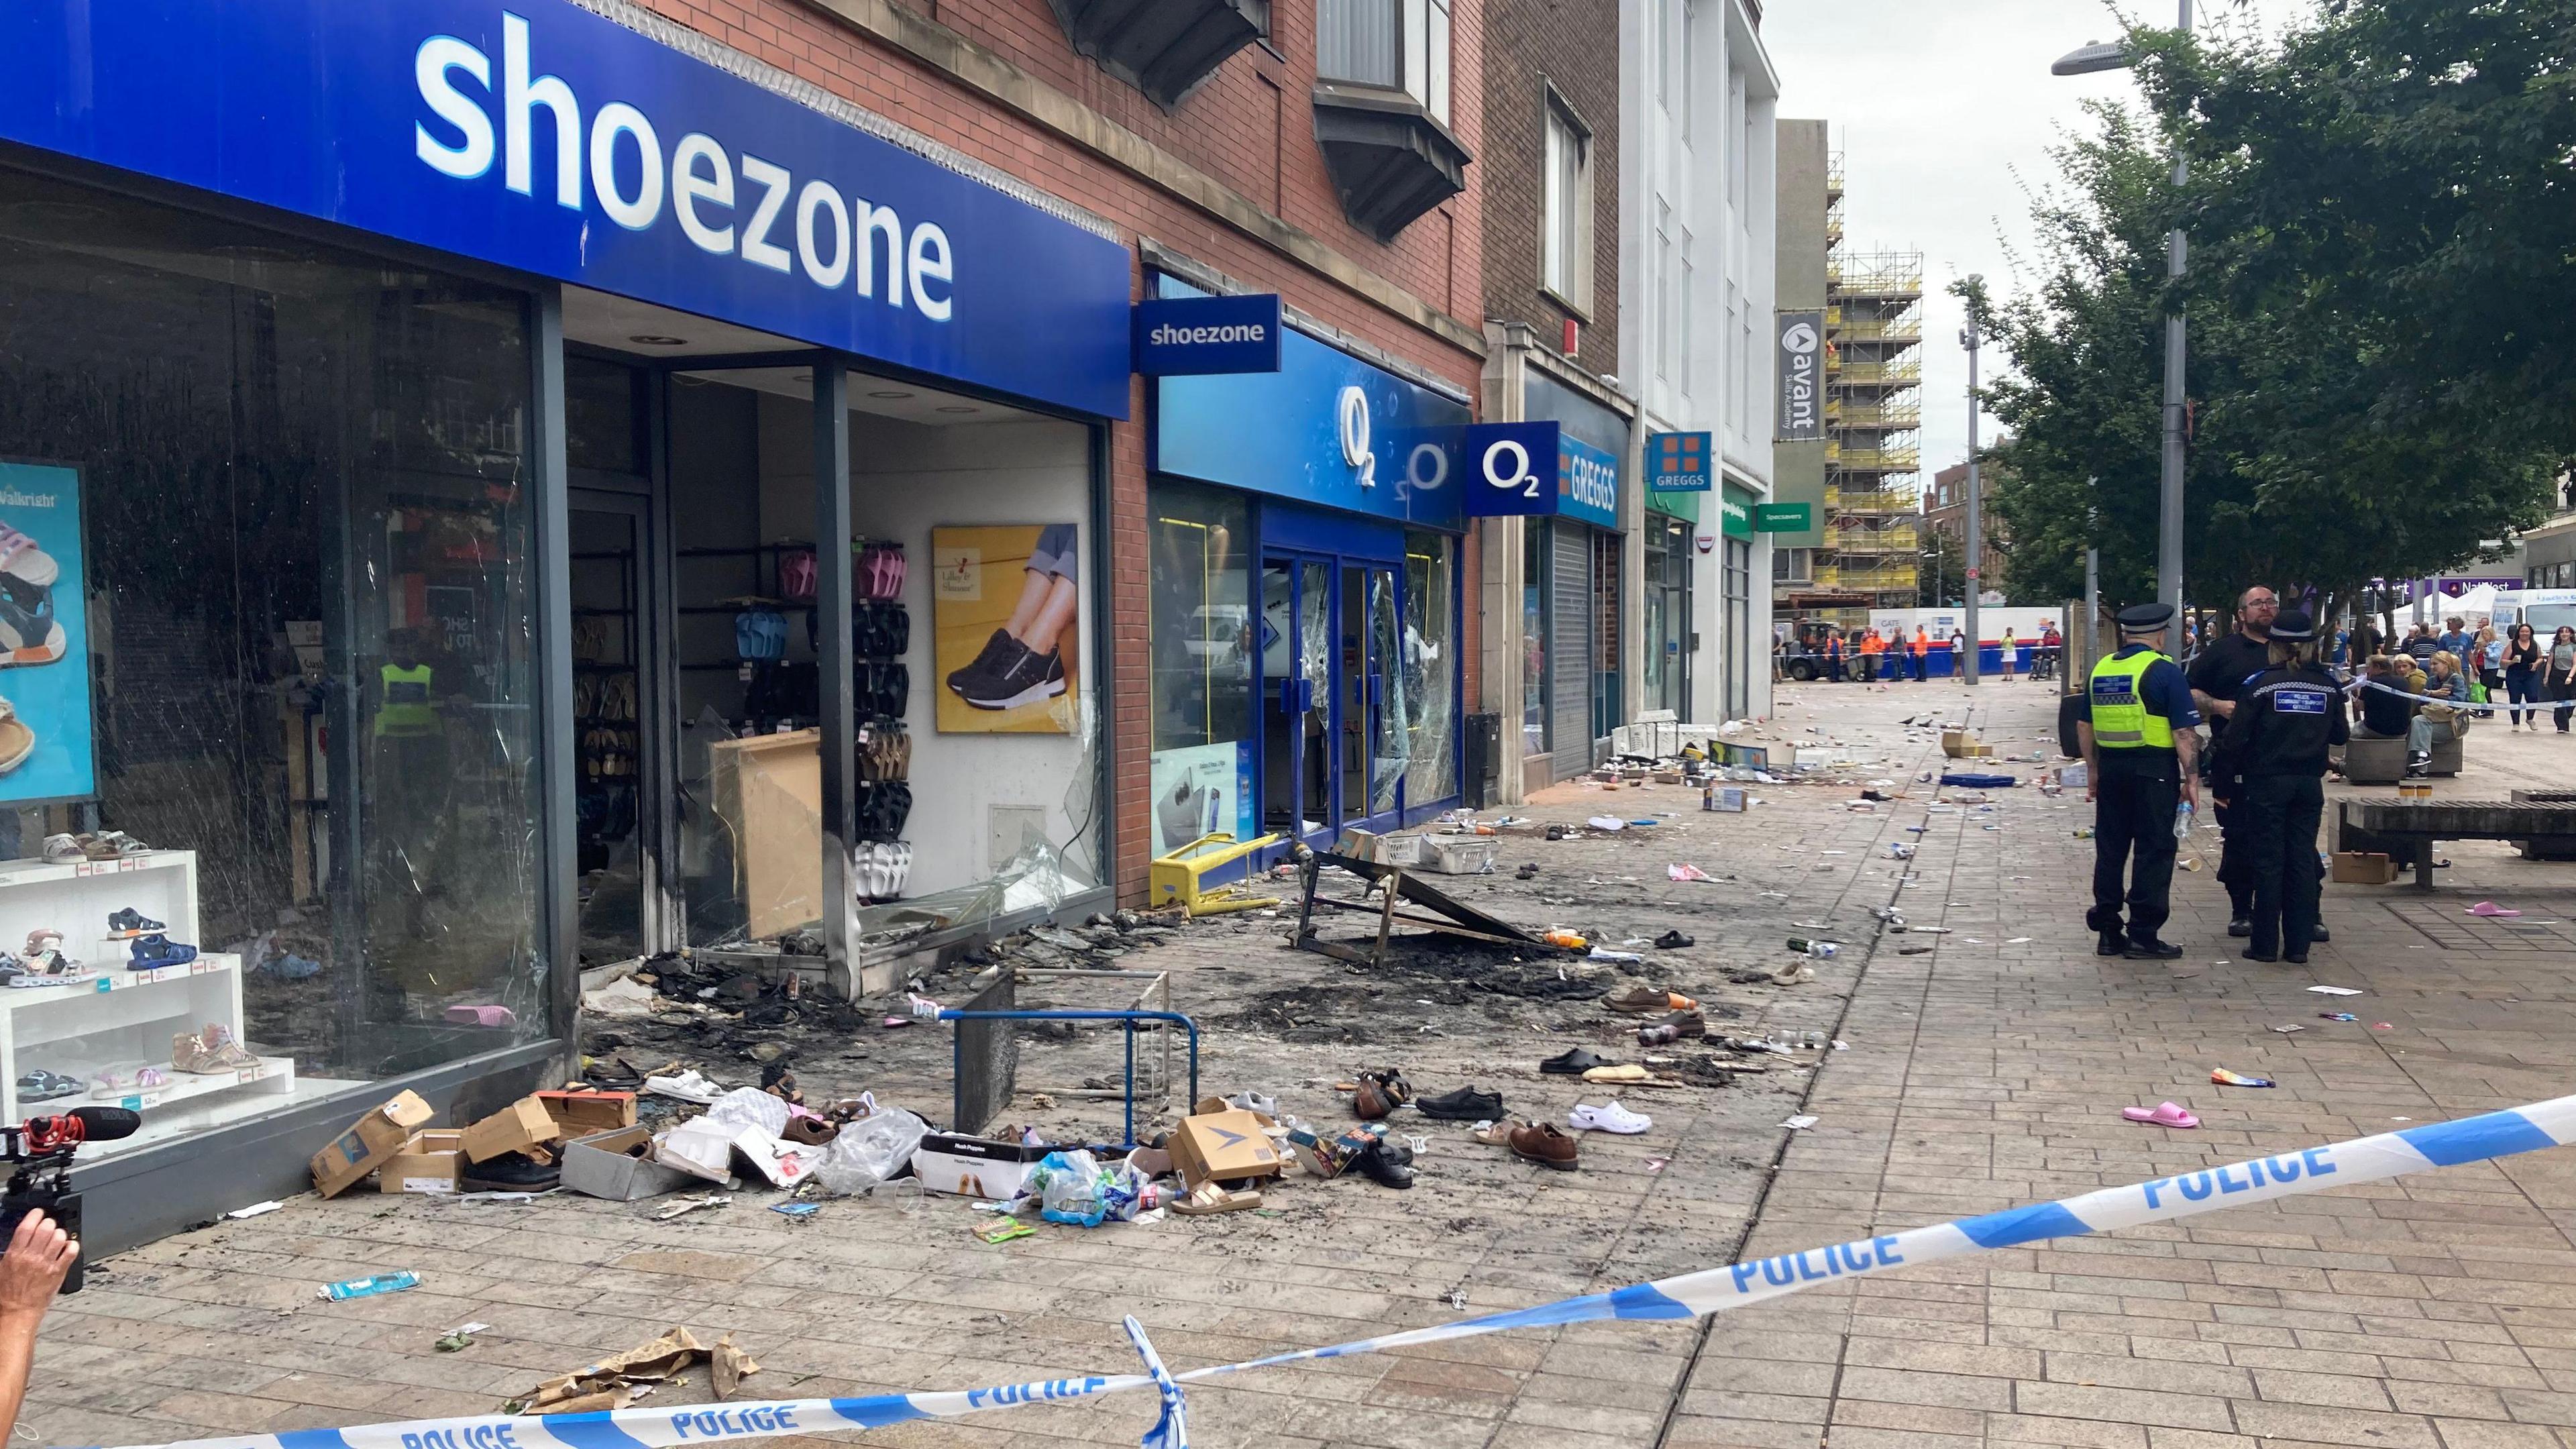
<point x="1944" y="111"/>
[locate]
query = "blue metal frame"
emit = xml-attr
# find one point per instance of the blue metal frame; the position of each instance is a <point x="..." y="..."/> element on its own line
<point x="957" y="1047"/>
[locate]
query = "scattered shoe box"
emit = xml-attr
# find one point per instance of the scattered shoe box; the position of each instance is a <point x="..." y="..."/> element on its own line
<point x="1727" y="798"/>
<point x="381" y="1133"/>
<point x="619" y="1166"/>
<point x="578" y="1112"/>
<point x="1223" y="1146"/>
<point x="1471" y="855"/>
<point x="2357" y="867"/>
<point x="1330" y="1157"/>
<point x="980" y="1167"/>
<point x="430" y="1162"/>
<point x="515" y="1128"/>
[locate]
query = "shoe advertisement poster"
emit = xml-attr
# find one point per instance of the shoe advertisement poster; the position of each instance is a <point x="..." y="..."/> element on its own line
<point x="1005" y="606"/>
<point x="46" y="749"/>
<point x="1201" y="790"/>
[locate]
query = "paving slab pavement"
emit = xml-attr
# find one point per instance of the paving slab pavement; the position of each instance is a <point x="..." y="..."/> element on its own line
<point x="1984" y="1073"/>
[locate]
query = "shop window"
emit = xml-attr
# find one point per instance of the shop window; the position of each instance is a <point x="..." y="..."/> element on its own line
<point x="1431" y="666"/>
<point x="281" y="498"/>
<point x="1565" y="228"/>
<point x="604" y="416"/>
<point x="1204" y="633"/>
<point x="1392" y="44"/>
<point x="1382" y="110"/>
<point x="1536" y="729"/>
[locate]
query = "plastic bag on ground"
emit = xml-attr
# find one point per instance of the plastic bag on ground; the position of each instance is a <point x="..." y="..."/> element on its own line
<point x="1072" y="1189"/>
<point x="749" y="1107"/>
<point x="873" y="1150"/>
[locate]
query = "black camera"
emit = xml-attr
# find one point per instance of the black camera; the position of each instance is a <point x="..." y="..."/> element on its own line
<point x="39" y="1151"/>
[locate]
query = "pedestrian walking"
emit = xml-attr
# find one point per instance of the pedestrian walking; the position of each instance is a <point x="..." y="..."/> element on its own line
<point x="2562" y="673"/>
<point x="1958" y="655"/>
<point x="2283" y="725"/>
<point x="2140" y="762"/>
<point x="2454" y="636"/>
<point x="2522" y="674"/>
<point x="2488" y="650"/>
<point x="2009" y="647"/>
<point x="2217" y="678"/>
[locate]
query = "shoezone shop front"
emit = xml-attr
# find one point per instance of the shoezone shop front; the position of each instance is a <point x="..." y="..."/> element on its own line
<point x="487" y="491"/>
<point x="1306" y="532"/>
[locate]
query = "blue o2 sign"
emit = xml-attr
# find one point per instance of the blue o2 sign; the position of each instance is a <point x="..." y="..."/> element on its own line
<point x="1538" y="470"/>
<point x="547" y="139"/>
<point x="1200" y="336"/>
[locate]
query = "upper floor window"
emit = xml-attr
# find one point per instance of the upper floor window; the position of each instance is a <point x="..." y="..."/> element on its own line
<point x="1400" y="45"/>
<point x="1565" y="224"/>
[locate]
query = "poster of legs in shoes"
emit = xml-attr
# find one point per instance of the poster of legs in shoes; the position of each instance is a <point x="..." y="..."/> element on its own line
<point x="45" y="744"/>
<point x="1005" y="603"/>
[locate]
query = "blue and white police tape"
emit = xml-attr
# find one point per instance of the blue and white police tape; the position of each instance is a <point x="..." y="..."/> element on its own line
<point x="2262" y="1179"/>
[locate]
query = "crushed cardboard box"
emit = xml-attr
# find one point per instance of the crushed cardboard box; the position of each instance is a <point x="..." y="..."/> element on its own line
<point x="612" y="1382"/>
<point x="1230" y="1145"/>
<point x="2358" y="867"/>
<point x="381" y="1133"/>
<point x="620" y="1166"/>
<point x="578" y="1112"/>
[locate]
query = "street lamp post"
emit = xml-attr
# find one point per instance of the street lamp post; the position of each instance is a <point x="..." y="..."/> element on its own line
<point x="2087" y="61"/>
<point x="1976" y="545"/>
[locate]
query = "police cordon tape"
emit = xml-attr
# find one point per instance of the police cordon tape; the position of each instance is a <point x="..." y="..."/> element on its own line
<point x="1716" y="1290"/>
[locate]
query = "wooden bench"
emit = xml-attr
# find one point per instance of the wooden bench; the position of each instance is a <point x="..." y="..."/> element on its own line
<point x="2544" y="847"/>
<point x="2407" y="830"/>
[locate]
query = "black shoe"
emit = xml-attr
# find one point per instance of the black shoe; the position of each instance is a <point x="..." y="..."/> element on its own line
<point x="1463" y="1105"/>
<point x="1574" y="1063"/>
<point x="2240" y="927"/>
<point x="996" y="649"/>
<point x="1025" y="678"/>
<point x="1380" y="1166"/>
<point x="2297" y="958"/>
<point x="2113" y="943"/>
<point x="1673" y="941"/>
<point x="2151" y="950"/>
<point x="510" y="1172"/>
<point x="2315" y="936"/>
<point x="2250" y="954"/>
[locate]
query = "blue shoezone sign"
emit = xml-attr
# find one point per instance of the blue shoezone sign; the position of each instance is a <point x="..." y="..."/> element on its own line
<point x="1187" y="336"/>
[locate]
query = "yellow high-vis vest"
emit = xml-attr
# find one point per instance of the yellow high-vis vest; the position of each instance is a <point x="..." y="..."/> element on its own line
<point x="2120" y="717"/>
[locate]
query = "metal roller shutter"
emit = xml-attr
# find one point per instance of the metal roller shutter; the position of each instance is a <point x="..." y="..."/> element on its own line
<point x="1569" y="638"/>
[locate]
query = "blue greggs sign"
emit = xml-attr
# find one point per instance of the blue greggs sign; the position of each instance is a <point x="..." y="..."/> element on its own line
<point x="1538" y="470"/>
<point x="548" y="139"/>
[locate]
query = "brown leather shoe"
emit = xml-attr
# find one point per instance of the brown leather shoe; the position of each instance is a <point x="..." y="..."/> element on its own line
<point x="1371" y="1100"/>
<point x="1686" y="1023"/>
<point x="1545" y="1145"/>
<point x="1647" y="1000"/>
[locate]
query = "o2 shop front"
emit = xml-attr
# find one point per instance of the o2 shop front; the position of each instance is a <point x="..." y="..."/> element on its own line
<point x="437" y="442"/>
<point x="1305" y="533"/>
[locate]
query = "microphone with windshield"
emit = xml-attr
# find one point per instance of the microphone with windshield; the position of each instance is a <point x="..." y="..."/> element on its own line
<point x="39" y="1151"/>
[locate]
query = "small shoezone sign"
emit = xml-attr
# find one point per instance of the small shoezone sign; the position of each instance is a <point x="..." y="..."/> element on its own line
<point x="1196" y="336"/>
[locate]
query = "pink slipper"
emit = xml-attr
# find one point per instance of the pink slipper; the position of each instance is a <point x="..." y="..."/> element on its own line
<point x="2490" y="908"/>
<point x="482" y="1016"/>
<point x="2163" y="1114"/>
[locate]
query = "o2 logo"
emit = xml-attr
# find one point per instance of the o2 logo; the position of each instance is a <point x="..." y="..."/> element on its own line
<point x="1506" y="466"/>
<point x="1351" y="415"/>
<point x="1426" y="470"/>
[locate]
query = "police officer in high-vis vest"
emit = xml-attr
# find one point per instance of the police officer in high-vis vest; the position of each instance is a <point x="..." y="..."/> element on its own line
<point x="2140" y="751"/>
<point x="2287" y="717"/>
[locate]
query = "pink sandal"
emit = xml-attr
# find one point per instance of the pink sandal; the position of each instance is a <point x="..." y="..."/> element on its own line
<point x="2163" y="1114"/>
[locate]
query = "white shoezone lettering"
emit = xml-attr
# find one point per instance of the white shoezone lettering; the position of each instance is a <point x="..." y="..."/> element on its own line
<point x="835" y="236"/>
<point x="1168" y="335"/>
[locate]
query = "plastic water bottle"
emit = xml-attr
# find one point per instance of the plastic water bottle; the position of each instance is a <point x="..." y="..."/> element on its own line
<point x="2182" y="820"/>
<point x="1821" y="950"/>
<point x="370" y="1287"/>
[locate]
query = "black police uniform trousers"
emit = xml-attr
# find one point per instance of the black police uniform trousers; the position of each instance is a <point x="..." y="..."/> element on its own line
<point x="2133" y="815"/>
<point x="2278" y="816"/>
<point x="2235" y="868"/>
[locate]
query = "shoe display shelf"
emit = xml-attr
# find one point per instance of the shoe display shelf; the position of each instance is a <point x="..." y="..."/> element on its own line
<point x="118" y="1018"/>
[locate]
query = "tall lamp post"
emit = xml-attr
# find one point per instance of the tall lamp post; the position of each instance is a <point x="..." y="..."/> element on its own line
<point x="1976" y="545"/>
<point x="2090" y="60"/>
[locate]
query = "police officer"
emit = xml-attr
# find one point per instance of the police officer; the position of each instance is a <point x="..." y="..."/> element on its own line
<point x="2218" y="677"/>
<point x="2140" y="753"/>
<point x="2285" y="718"/>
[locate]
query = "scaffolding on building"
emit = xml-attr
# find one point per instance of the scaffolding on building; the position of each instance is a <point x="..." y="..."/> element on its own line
<point x="1873" y="410"/>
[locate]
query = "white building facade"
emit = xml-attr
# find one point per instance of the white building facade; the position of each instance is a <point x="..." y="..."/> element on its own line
<point x="1697" y="261"/>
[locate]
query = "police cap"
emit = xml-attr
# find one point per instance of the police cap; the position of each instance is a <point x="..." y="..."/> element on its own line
<point x="2293" y="626"/>
<point x="2145" y="618"/>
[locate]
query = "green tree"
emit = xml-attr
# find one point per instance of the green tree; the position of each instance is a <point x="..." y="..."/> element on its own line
<point x="1945" y="571"/>
<point x="2298" y="474"/>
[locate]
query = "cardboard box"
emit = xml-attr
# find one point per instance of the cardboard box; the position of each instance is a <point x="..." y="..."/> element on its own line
<point x="2356" y="867"/>
<point x="1960" y="744"/>
<point x="1472" y="855"/>
<point x="1223" y="1147"/>
<point x="578" y="1113"/>
<point x="2076" y="776"/>
<point x="368" y="1142"/>
<point x="1727" y="798"/>
<point x="430" y="1162"/>
<point x="515" y="1128"/>
<point x="604" y="1164"/>
<point x="980" y="1167"/>
<point x="1330" y="1157"/>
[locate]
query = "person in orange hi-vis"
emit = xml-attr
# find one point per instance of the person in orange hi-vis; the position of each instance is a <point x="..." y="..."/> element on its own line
<point x="1873" y="648"/>
<point x="1921" y="647"/>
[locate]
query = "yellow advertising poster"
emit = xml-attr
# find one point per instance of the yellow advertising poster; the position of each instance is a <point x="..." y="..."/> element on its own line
<point x="1004" y="600"/>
